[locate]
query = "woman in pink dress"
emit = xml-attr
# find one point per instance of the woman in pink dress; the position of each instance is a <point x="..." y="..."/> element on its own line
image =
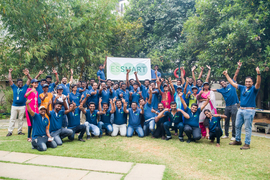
<point x="31" y="93"/>
<point x="201" y="97"/>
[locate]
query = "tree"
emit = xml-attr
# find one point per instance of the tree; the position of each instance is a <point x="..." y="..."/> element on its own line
<point x="222" y="32"/>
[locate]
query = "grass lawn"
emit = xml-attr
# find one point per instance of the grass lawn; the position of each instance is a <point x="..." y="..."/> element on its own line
<point x="201" y="160"/>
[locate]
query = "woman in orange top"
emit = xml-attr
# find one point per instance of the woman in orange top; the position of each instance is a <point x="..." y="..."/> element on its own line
<point x="46" y="97"/>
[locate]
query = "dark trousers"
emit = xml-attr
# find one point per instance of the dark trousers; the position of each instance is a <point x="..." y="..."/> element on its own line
<point x="216" y="134"/>
<point x="230" y="112"/>
<point x="41" y="143"/>
<point x="159" y="131"/>
<point x="78" y="129"/>
<point x="194" y="131"/>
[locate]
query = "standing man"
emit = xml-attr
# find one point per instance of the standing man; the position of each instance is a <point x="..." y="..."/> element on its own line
<point x="18" y="105"/>
<point x="123" y="93"/>
<point x="134" y="119"/>
<point x="144" y="88"/>
<point x="100" y="73"/>
<point x="104" y="93"/>
<point x="153" y="73"/>
<point x="66" y="85"/>
<point x="93" y="96"/>
<point x="246" y="111"/>
<point x="49" y="81"/>
<point x="135" y="94"/>
<point x="231" y="99"/>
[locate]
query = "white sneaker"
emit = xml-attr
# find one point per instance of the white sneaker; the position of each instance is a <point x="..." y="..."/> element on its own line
<point x="233" y="139"/>
<point x="224" y="137"/>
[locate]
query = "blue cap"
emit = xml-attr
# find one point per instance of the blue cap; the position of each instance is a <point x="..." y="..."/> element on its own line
<point x="179" y="87"/>
<point x="205" y="83"/>
<point x="34" y="80"/>
<point x="194" y="87"/>
<point x="45" y="85"/>
<point x="59" y="87"/>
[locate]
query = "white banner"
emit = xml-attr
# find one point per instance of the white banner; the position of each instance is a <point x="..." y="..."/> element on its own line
<point x="116" y="68"/>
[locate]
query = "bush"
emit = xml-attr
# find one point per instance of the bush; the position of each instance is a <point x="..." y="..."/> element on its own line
<point x="6" y="102"/>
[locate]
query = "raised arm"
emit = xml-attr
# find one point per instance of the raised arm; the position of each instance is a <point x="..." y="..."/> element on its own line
<point x="70" y="109"/>
<point x="184" y="113"/>
<point x="56" y="76"/>
<point x="99" y="104"/>
<point x="158" y="86"/>
<point x="150" y="95"/>
<point x="193" y="75"/>
<point x="112" y="102"/>
<point x="142" y="109"/>
<point x="225" y="73"/>
<point x="182" y="74"/>
<point x="208" y="74"/>
<point x="32" y="113"/>
<point x="258" y="82"/>
<point x="127" y="77"/>
<point x="200" y="75"/>
<point x="205" y="103"/>
<point x="26" y="72"/>
<point x="39" y="73"/>
<point x="48" y="108"/>
<point x="161" y="114"/>
<point x="125" y="105"/>
<point x="182" y="100"/>
<point x="82" y="109"/>
<point x="185" y="88"/>
<point x="239" y="63"/>
<point x="10" y="77"/>
<point x="137" y="79"/>
<point x="105" y="62"/>
<point x="172" y="87"/>
<point x="71" y="76"/>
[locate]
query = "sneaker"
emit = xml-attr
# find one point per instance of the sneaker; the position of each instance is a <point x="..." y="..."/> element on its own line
<point x="188" y="141"/>
<point x="224" y="137"/>
<point x="235" y="143"/>
<point x="181" y="140"/>
<point x="168" y="138"/>
<point x="245" y="147"/>
<point x="233" y="139"/>
<point x="21" y="133"/>
<point x="82" y="140"/>
<point x="88" y="137"/>
<point x="9" y="134"/>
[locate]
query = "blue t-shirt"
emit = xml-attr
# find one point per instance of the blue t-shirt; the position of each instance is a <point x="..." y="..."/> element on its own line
<point x="213" y="123"/>
<point x="248" y="97"/>
<point x="56" y="120"/>
<point x="135" y="96"/>
<point x="165" y="118"/>
<point x="40" y="91"/>
<point x="199" y="89"/>
<point x="105" y="94"/>
<point x="65" y="89"/>
<point x="120" y="117"/>
<point x="144" y="91"/>
<point x="75" y="98"/>
<point x="51" y="87"/>
<point x="193" y="121"/>
<point x="74" y="118"/>
<point x="93" y="98"/>
<point x="90" y="87"/>
<point x="189" y="87"/>
<point x="154" y="98"/>
<point x="106" y="118"/>
<point x="39" y="125"/>
<point x="153" y="75"/>
<point x="229" y="94"/>
<point x="125" y="95"/>
<point x="18" y="95"/>
<point x="114" y="94"/>
<point x="101" y="74"/>
<point x="147" y="111"/>
<point x="91" y="118"/>
<point x="134" y="117"/>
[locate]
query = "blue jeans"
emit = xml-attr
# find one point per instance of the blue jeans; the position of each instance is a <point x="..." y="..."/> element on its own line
<point x="91" y="128"/>
<point x="138" y="129"/>
<point x="108" y="127"/>
<point x="149" y="125"/>
<point x="61" y="134"/>
<point x="244" y="116"/>
<point x="180" y="126"/>
<point x="167" y="126"/>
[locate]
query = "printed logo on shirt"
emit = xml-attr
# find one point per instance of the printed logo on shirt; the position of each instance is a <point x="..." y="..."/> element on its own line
<point x="76" y="114"/>
<point x="195" y="115"/>
<point x="136" y="114"/>
<point x="229" y="89"/>
<point x="59" y="115"/>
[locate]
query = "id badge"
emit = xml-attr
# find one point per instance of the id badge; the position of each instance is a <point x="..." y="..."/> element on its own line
<point x="18" y="98"/>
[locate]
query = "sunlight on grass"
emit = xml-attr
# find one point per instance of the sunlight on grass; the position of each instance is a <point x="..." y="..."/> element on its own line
<point x="201" y="160"/>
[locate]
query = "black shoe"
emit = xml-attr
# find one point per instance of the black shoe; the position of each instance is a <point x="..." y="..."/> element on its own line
<point x="20" y="133"/>
<point x="9" y="134"/>
<point x="167" y="139"/>
<point x="82" y="140"/>
<point x="100" y="136"/>
<point x="181" y="140"/>
<point x="88" y="137"/>
<point x="188" y="141"/>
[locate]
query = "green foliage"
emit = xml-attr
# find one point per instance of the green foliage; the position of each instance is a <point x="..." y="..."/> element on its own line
<point x="6" y="101"/>
<point x="224" y="32"/>
<point x="162" y="22"/>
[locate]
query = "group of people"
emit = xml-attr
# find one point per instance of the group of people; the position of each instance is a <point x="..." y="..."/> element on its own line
<point x="156" y="107"/>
